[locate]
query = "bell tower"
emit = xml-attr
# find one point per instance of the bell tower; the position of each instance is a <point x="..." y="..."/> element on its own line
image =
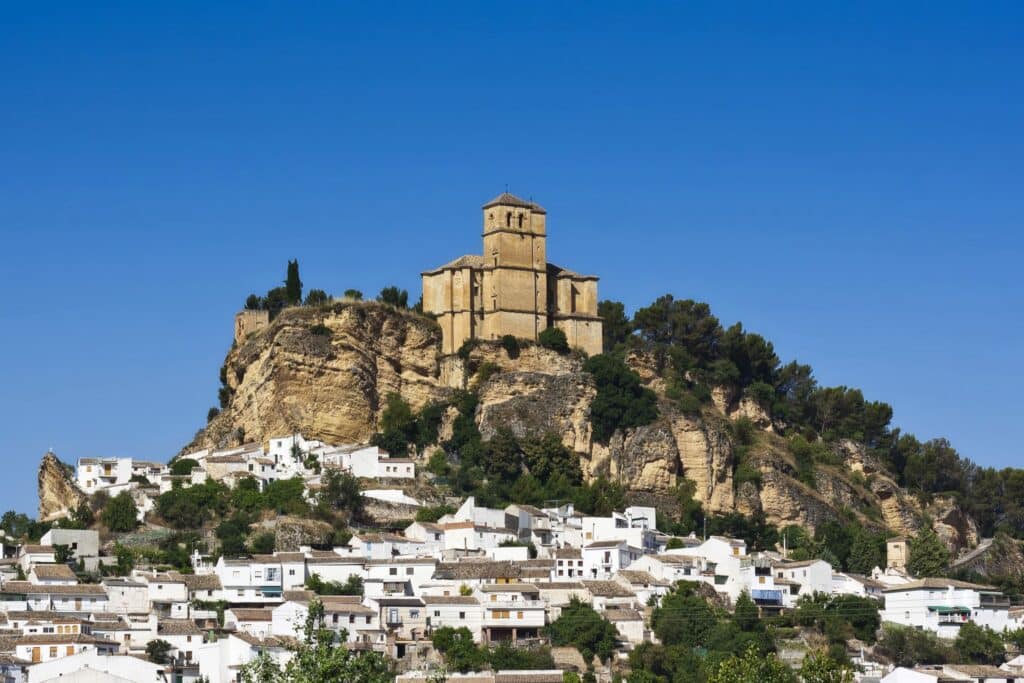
<point x="515" y="253"/>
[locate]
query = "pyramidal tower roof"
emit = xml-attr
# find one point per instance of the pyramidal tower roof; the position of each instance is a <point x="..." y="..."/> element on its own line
<point x="509" y="199"/>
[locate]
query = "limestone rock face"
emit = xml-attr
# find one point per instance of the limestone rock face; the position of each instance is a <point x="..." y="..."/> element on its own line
<point x="58" y="495"/>
<point x="292" y="532"/>
<point x="750" y="409"/>
<point x="956" y="529"/>
<point x="706" y="456"/>
<point x="326" y="372"/>
<point x="533" y="403"/>
<point x="899" y="510"/>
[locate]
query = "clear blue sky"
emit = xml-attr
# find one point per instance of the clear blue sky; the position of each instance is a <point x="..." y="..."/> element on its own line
<point x="845" y="180"/>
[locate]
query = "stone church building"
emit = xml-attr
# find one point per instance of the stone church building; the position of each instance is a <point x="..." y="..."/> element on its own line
<point x="511" y="288"/>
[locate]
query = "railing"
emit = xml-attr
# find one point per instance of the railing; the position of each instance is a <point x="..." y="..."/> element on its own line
<point x="516" y="604"/>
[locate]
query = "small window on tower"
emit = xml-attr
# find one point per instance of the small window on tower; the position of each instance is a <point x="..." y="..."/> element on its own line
<point x="520" y="220"/>
<point x="508" y="219"/>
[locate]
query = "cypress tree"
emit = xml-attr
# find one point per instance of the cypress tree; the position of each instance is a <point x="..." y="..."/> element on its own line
<point x="292" y="284"/>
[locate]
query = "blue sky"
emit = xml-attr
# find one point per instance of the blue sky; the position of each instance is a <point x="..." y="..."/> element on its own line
<point x="844" y="180"/>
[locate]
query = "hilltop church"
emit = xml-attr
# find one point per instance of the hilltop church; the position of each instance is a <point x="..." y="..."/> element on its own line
<point x="511" y="288"/>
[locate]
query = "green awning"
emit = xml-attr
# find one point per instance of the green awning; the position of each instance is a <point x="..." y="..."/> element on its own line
<point x="942" y="609"/>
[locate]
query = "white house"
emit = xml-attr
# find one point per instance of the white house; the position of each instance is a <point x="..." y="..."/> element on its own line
<point x="184" y="637"/>
<point x="255" y="621"/>
<point x="52" y="574"/>
<point x="804" y="577"/>
<point x="857" y="584"/>
<point x="116" y="667"/>
<point x="602" y="559"/>
<point x="568" y="564"/>
<point x="32" y="554"/>
<point x="469" y="511"/>
<point x="254" y="580"/>
<point x="219" y="661"/>
<point x="48" y="647"/>
<point x="455" y="611"/>
<point x="944" y="605"/>
<point x="95" y="474"/>
<point x="951" y="672"/>
<point x="511" y="611"/>
<point x="84" y="544"/>
<point x="58" y="598"/>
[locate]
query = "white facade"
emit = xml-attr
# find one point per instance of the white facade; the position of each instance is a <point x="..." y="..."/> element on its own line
<point x="604" y="559"/>
<point x="120" y="666"/>
<point x="944" y="605"/>
<point x="96" y="474"/>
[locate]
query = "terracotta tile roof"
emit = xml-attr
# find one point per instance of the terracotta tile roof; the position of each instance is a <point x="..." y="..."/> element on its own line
<point x="178" y="627"/>
<point x="637" y="577"/>
<point x="450" y="600"/>
<point x="568" y="554"/>
<point x="605" y="544"/>
<point x="560" y="585"/>
<point x="57" y="639"/>
<point x="36" y="549"/>
<point x="607" y="589"/>
<point x="202" y="582"/>
<point x="54" y="571"/>
<point x="935" y="583"/>
<point x="509" y="199"/>
<point x="477" y="570"/>
<point x="298" y="595"/>
<point x="467" y="261"/>
<point x="291" y="557"/>
<point x="337" y="603"/>
<point x="255" y="641"/>
<point x="37" y="589"/>
<point x="622" y="615"/>
<point x="553" y="676"/>
<point x="510" y="588"/>
<point x="251" y="614"/>
<point x="226" y="460"/>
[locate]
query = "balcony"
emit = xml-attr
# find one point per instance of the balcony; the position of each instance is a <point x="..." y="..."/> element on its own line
<point x="516" y="604"/>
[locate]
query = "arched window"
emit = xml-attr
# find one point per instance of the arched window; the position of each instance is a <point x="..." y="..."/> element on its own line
<point x="520" y="220"/>
<point x="508" y="219"/>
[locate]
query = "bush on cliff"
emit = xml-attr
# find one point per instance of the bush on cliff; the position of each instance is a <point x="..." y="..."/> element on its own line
<point x="622" y="401"/>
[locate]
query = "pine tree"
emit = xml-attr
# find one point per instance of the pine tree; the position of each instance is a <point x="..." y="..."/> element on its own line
<point x="928" y="555"/>
<point x="746" y="615"/>
<point x="865" y="553"/>
<point x="292" y="284"/>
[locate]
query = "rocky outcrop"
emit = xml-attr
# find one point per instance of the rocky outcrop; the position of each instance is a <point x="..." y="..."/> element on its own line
<point x="955" y="528"/>
<point x="533" y="403"/>
<point x="1001" y="557"/>
<point x="58" y="495"/>
<point x="292" y="532"/>
<point x="707" y="459"/>
<point x="326" y="372"/>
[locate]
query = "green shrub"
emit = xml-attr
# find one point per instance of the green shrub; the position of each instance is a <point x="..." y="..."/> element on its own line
<point x="554" y="339"/>
<point x="320" y="330"/>
<point x="120" y="514"/>
<point x="511" y="345"/>
<point x="486" y="371"/>
<point x="622" y="401"/>
<point x="467" y="348"/>
<point x="746" y="472"/>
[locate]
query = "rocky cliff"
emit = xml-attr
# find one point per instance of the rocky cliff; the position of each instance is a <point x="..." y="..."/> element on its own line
<point x="58" y="495"/>
<point x="325" y="372"/>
